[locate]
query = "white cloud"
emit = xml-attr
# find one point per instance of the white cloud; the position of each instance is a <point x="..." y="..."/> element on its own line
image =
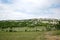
<point x="23" y="9"/>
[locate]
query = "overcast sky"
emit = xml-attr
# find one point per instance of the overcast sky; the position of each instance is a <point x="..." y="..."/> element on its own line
<point x="26" y="9"/>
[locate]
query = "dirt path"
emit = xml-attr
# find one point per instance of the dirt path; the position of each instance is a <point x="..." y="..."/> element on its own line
<point x="48" y="36"/>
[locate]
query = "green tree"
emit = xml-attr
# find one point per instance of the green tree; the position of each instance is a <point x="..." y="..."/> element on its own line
<point x="58" y="26"/>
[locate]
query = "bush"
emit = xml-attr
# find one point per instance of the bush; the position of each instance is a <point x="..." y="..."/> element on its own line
<point x="10" y="30"/>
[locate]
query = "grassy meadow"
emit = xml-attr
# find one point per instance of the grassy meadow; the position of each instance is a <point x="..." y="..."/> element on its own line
<point x="19" y="35"/>
<point x="51" y="35"/>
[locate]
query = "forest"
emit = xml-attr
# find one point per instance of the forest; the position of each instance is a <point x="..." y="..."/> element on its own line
<point x="30" y="24"/>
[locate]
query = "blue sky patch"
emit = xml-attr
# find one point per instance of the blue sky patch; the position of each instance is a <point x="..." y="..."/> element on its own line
<point x="55" y="5"/>
<point x="6" y="1"/>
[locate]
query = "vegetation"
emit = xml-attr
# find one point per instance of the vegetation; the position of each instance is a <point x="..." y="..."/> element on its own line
<point x="56" y="32"/>
<point x="31" y="29"/>
<point x="36" y="24"/>
<point x="51" y="35"/>
<point x="19" y="35"/>
<point x="58" y="26"/>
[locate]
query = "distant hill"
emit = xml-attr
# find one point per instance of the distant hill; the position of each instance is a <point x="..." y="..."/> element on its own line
<point x="40" y="23"/>
<point x="27" y="22"/>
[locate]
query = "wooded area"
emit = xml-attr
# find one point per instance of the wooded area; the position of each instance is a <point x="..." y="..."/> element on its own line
<point x="44" y="24"/>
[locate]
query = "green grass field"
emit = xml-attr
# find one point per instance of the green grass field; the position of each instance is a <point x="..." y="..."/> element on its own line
<point x="19" y="35"/>
<point x="30" y="35"/>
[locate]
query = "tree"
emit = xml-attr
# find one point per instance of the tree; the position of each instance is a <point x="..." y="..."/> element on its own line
<point x="58" y="26"/>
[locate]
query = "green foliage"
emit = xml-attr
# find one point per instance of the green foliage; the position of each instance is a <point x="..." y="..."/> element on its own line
<point x="28" y="23"/>
<point x="58" y="26"/>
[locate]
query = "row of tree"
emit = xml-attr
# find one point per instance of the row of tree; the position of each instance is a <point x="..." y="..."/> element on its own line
<point x="8" y="24"/>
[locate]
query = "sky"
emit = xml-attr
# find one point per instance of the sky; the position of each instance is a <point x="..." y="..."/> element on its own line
<point x="26" y="9"/>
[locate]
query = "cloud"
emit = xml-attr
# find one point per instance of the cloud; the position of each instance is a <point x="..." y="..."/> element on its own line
<point x="25" y="9"/>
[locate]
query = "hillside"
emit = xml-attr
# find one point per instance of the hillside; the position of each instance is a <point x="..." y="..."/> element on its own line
<point x="36" y="24"/>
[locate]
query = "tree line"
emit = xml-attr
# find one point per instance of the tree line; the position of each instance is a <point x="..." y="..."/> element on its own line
<point x="26" y="23"/>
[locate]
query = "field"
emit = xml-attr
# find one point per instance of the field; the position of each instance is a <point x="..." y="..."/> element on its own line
<point x="52" y="35"/>
<point x="18" y="35"/>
